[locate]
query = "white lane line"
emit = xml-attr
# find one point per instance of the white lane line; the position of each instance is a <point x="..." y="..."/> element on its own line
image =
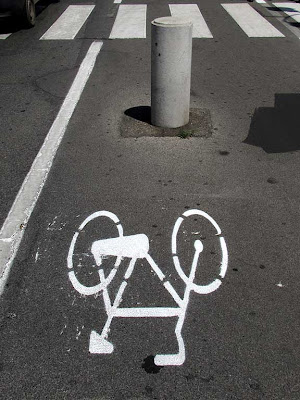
<point x="4" y="36"/>
<point x="250" y="21"/>
<point x="192" y="12"/>
<point x="130" y="22"/>
<point x="261" y="1"/>
<point x="13" y="228"/>
<point x="69" y="23"/>
<point x="118" y="1"/>
<point x="290" y="9"/>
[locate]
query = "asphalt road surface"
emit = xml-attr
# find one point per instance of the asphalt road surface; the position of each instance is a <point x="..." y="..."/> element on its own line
<point x="149" y="267"/>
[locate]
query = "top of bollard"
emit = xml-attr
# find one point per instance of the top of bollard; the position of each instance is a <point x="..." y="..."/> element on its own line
<point x="172" y="22"/>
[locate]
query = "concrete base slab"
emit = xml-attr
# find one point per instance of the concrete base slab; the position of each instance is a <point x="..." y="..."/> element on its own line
<point x="136" y="122"/>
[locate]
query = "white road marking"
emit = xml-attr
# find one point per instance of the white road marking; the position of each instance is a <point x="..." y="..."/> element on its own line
<point x="261" y="1"/>
<point x="192" y="12"/>
<point x="130" y="22"/>
<point x="136" y="247"/>
<point x="69" y="23"/>
<point x="133" y="246"/>
<point x="211" y="287"/>
<point x="4" y="36"/>
<point x="13" y="228"/>
<point x="118" y="1"/>
<point x="250" y="21"/>
<point x="290" y="9"/>
<point x="147" y="312"/>
<point x="283" y="20"/>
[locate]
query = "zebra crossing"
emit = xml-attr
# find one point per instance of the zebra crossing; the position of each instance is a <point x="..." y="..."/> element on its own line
<point x="4" y="36"/>
<point x="290" y="9"/>
<point x="192" y="12"/>
<point x="69" y="23"/>
<point x="250" y="21"/>
<point x="131" y="20"/>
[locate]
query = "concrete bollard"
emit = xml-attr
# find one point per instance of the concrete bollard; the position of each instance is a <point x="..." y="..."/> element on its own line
<point x="171" y="59"/>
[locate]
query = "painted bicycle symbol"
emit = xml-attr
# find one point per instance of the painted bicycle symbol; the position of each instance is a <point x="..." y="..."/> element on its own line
<point x="136" y="247"/>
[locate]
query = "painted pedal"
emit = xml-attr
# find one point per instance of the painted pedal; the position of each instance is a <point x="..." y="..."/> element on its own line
<point x="98" y="345"/>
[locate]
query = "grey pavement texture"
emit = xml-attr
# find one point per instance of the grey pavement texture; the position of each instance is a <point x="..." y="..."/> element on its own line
<point x="243" y="340"/>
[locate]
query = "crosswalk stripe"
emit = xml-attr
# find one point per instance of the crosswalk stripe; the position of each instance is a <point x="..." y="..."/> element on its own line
<point x="250" y="21"/>
<point x="291" y="9"/>
<point x="130" y="22"/>
<point x="69" y="23"/>
<point x="192" y="12"/>
<point x="4" y="36"/>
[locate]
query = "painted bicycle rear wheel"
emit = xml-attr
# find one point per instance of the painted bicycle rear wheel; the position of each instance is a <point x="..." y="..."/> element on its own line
<point x="215" y="233"/>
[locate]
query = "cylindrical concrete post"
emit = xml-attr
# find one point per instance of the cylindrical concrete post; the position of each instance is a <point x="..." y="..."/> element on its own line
<point x="171" y="58"/>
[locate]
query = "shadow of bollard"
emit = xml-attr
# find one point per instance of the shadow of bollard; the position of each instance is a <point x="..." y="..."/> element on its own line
<point x="276" y="129"/>
<point x="140" y="113"/>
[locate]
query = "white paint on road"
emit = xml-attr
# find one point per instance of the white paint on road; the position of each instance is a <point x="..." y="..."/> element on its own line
<point x="64" y="327"/>
<point x="250" y="21"/>
<point x="192" y="13"/>
<point x="13" y="228"/>
<point x="290" y="9"/>
<point x="69" y="23"/>
<point x="130" y="22"/>
<point x="136" y="247"/>
<point x="4" y="36"/>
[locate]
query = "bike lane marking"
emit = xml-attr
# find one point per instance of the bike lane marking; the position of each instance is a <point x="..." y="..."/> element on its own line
<point x="136" y="247"/>
<point x="14" y="226"/>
